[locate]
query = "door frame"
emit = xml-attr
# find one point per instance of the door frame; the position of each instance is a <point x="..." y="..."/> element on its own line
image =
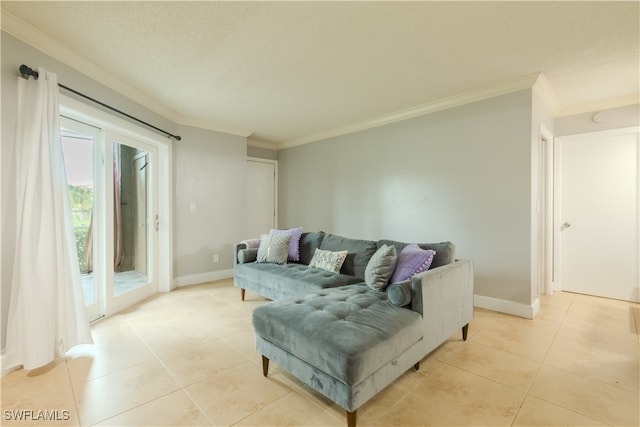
<point x="110" y="124"/>
<point x="557" y="196"/>
<point x="545" y="211"/>
<point x="138" y="172"/>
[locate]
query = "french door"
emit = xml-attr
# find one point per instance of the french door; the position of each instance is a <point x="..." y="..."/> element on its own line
<point x="112" y="182"/>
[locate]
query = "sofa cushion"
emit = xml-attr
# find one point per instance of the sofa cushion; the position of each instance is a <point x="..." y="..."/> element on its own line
<point x="327" y="260"/>
<point x="294" y="243"/>
<point x="359" y="252"/>
<point x="348" y="333"/>
<point x="273" y="248"/>
<point x="309" y="242"/>
<point x="412" y="260"/>
<point x="380" y="267"/>
<point x="445" y="251"/>
<point x="279" y="281"/>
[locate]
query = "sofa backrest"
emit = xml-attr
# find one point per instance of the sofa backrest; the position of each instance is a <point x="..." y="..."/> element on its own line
<point x="445" y="251"/>
<point x="359" y="252"/>
<point x="309" y="242"/>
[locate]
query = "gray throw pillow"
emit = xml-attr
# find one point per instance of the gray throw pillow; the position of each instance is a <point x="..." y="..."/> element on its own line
<point x="274" y="248"/>
<point x="328" y="260"/>
<point x="399" y="293"/>
<point x="380" y="268"/>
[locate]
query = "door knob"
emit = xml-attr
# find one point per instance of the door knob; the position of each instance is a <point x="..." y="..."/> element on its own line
<point x="566" y="225"/>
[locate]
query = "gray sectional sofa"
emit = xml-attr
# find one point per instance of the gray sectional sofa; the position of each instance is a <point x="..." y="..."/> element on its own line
<point x="279" y="281"/>
<point x="337" y="334"/>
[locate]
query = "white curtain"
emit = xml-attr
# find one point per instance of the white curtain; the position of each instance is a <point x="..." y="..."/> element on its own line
<point x="46" y="308"/>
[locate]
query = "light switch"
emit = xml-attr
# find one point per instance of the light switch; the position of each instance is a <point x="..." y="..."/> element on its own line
<point x="192" y="206"/>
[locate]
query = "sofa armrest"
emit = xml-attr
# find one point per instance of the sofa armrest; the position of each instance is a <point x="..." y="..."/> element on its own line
<point x="444" y="298"/>
<point x="236" y="250"/>
<point x="247" y="255"/>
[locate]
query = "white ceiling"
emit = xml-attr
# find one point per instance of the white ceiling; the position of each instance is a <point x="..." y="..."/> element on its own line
<point x="285" y="72"/>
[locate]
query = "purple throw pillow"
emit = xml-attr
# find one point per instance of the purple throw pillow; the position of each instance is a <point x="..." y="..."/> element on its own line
<point x="412" y="260"/>
<point x="294" y="243"/>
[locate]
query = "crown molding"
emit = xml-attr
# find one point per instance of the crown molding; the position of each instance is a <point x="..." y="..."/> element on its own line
<point x="216" y="127"/>
<point x="42" y="42"/>
<point x="607" y="104"/>
<point x="525" y="82"/>
<point x="547" y="95"/>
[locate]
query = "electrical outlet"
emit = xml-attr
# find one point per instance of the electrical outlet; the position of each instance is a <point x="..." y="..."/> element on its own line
<point x="216" y="258"/>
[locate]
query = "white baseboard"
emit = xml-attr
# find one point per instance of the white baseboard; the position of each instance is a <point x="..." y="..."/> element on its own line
<point x="195" y="279"/>
<point x="507" y="307"/>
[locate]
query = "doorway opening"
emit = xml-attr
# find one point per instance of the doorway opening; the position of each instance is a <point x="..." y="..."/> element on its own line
<point x="262" y="196"/>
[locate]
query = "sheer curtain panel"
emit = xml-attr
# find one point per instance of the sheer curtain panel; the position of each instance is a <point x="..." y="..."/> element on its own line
<point x="46" y="309"/>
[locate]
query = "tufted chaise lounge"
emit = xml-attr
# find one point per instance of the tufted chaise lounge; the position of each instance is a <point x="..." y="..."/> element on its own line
<point x="350" y="342"/>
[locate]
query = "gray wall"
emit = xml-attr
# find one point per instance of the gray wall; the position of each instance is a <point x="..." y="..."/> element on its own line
<point x="208" y="167"/>
<point x="462" y="175"/>
<point x="209" y="170"/>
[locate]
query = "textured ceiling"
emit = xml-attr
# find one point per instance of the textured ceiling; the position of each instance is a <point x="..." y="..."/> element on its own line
<point x="285" y="71"/>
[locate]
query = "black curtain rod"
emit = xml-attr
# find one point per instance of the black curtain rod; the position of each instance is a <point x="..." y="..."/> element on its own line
<point x="27" y="72"/>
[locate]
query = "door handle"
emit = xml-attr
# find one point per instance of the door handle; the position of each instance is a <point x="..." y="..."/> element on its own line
<point x="565" y="225"/>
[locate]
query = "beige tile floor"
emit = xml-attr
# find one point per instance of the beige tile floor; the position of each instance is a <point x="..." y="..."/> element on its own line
<point x="187" y="358"/>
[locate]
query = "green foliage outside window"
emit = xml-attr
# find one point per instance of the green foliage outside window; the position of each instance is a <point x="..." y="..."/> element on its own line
<point x="81" y="199"/>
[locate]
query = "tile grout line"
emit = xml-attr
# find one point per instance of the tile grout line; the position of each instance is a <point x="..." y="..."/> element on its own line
<point x="157" y="358"/>
<point x="527" y="393"/>
<point x="183" y="388"/>
<point x="73" y="390"/>
<point x="112" y="373"/>
<point x="524" y="394"/>
<point x="564" y="317"/>
<point x="541" y="363"/>
<point x="573" y="301"/>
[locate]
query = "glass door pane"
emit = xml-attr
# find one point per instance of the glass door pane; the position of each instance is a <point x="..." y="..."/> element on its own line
<point x="132" y="233"/>
<point x="78" y="152"/>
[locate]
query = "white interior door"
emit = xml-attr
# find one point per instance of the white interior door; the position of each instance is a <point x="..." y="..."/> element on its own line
<point x="597" y="230"/>
<point x="261" y="196"/>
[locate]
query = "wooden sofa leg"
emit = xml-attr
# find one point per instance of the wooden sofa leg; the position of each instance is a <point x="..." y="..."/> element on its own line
<point x="351" y="419"/>
<point x="465" y="329"/>
<point x="242" y="294"/>
<point x="416" y="366"/>
<point x="265" y="366"/>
